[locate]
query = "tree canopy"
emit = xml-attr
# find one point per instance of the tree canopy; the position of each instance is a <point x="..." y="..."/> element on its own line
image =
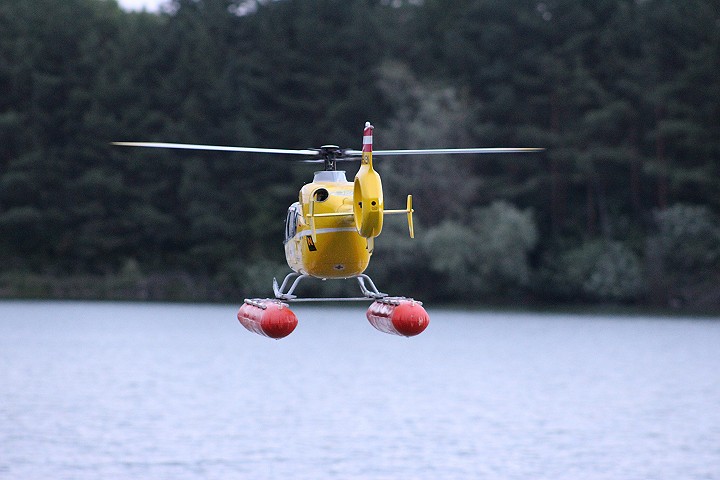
<point x="624" y="95"/>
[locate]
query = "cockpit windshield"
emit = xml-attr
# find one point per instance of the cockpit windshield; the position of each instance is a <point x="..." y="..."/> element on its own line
<point x="330" y="176"/>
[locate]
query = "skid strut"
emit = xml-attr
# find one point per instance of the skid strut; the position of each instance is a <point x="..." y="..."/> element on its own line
<point x="293" y="279"/>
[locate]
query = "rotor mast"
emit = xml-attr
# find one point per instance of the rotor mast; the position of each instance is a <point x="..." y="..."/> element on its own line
<point x="330" y="155"/>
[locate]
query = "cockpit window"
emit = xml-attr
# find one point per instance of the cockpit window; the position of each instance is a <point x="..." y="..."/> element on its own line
<point x="321" y="195"/>
<point x="291" y="221"/>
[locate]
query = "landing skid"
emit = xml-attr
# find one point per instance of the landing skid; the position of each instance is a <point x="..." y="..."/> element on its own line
<point x="273" y="318"/>
<point x="293" y="279"/>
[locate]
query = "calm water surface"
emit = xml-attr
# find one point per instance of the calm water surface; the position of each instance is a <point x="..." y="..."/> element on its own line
<point x="129" y="391"/>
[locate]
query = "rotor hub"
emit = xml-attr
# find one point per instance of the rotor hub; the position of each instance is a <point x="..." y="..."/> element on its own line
<point x="330" y="155"/>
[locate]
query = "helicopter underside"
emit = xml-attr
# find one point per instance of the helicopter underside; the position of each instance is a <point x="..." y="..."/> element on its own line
<point x="337" y="252"/>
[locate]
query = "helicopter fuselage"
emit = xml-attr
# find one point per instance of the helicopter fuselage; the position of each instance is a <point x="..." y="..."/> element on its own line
<point x="321" y="238"/>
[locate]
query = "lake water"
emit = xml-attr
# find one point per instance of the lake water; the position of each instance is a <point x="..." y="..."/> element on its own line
<point x="140" y="391"/>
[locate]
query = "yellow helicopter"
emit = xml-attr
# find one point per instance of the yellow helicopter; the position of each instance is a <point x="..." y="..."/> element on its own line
<point x="330" y="234"/>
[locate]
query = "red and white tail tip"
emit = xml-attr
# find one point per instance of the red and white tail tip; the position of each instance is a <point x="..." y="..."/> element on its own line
<point x="367" y="137"/>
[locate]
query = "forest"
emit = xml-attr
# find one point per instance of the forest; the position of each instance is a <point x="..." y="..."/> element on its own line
<point x="622" y="207"/>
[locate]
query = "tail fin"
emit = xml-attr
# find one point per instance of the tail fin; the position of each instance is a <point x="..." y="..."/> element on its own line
<point x="367" y="144"/>
<point x="368" y="203"/>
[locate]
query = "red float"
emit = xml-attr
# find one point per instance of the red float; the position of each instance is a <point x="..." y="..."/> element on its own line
<point x="399" y="316"/>
<point x="269" y="317"/>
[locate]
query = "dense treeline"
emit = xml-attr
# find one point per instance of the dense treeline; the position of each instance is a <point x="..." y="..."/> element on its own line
<point x="624" y="95"/>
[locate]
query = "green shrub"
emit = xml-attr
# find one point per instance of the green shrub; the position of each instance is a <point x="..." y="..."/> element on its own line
<point x="683" y="258"/>
<point x="597" y="270"/>
<point x="688" y="237"/>
<point x="489" y="256"/>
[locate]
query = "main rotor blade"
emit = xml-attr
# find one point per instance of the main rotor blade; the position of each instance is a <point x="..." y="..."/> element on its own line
<point x="215" y="148"/>
<point x="448" y="151"/>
